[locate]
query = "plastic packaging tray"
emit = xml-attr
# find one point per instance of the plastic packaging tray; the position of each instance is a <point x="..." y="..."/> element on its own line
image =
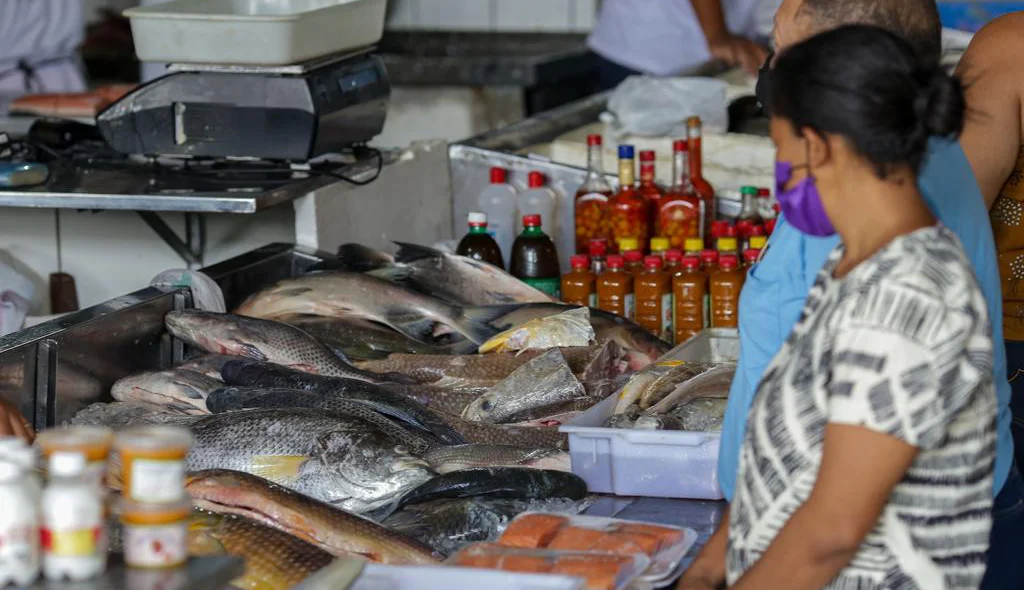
<point x="658" y="463"/>
<point x="663" y="564"/>
<point x="254" y="32"/>
<point x="410" y="577"/>
<point x="639" y="564"/>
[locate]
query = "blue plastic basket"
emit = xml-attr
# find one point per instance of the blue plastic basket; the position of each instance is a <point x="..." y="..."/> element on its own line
<point x="971" y="16"/>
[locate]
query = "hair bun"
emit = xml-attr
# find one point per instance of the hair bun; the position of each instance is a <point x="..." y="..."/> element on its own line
<point x="940" y="104"/>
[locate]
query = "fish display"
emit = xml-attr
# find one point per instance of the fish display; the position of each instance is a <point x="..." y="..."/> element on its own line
<point x="347" y="294"/>
<point x="338" y="459"/>
<point x="517" y="483"/>
<point x="335" y="531"/>
<point x="361" y="339"/>
<point x="458" y="279"/>
<point x="176" y="390"/>
<point x="542" y="384"/>
<point x="445" y="459"/>
<point x="569" y="328"/>
<point x="273" y="559"/>
<point x="263" y="340"/>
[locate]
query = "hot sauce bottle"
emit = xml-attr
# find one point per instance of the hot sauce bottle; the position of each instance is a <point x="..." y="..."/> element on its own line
<point x="709" y="260"/>
<point x="750" y="256"/>
<point x="591" y="203"/>
<point x="680" y="215"/>
<point x="649" y="188"/>
<point x="725" y="285"/>
<point x="690" y="295"/>
<point x="673" y="261"/>
<point x="654" y="298"/>
<point x="578" y="285"/>
<point x="630" y="212"/>
<point x="598" y="250"/>
<point x="701" y="186"/>
<point x="634" y="262"/>
<point x="615" y="289"/>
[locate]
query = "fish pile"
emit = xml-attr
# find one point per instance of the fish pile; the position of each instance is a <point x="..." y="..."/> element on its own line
<point x="350" y="412"/>
<point x="675" y="396"/>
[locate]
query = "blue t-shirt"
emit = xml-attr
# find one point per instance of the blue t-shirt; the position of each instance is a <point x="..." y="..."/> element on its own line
<point x="773" y="298"/>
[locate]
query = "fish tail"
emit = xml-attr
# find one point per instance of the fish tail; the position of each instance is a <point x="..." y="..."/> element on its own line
<point x="412" y="252"/>
<point x="392" y="274"/>
<point x="474" y="322"/>
<point x="359" y="258"/>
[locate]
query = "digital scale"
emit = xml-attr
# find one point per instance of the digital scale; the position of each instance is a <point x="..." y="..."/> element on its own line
<point x="292" y="113"/>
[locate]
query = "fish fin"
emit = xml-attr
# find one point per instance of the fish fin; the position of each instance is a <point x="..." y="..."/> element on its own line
<point x="250" y="351"/>
<point x="474" y="322"/>
<point x="456" y="348"/>
<point x="412" y="252"/>
<point x="380" y="513"/>
<point x="360" y="258"/>
<point x="421" y="330"/>
<point x="392" y="274"/>
<point x="278" y="467"/>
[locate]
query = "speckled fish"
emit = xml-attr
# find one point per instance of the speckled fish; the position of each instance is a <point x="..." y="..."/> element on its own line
<point x="544" y="382"/>
<point x="333" y="530"/>
<point x="446" y="459"/>
<point x="177" y="390"/>
<point x="347" y="294"/>
<point x="517" y="483"/>
<point x="118" y="415"/>
<point x="274" y="560"/>
<point x="401" y="407"/>
<point x="361" y="339"/>
<point x="263" y="340"/>
<point x="341" y="460"/>
<point x="510" y="434"/>
<point x="457" y="279"/>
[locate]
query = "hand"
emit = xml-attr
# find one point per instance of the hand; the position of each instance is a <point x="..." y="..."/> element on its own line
<point x="693" y="581"/>
<point x="735" y="51"/>
<point x="12" y="423"/>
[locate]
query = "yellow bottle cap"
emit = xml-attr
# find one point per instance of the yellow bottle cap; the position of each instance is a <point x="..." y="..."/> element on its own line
<point x="693" y="244"/>
<point x="659" y="244"/>
<point x="727" y="244"/>
<point x="626" y="244"/>
<point x="758" y="242"/>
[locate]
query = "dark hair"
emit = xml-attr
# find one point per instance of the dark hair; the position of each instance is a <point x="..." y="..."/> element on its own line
<point x="917" y="21"/>
<point x="868" y="86"/>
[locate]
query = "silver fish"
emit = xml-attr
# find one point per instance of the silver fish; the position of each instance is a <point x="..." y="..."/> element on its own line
<point x="177" y="390"/>
<point x="118" y="415"/>
<point x="543" y="382"/>
<point x="458" y="457"/>
<point x="714" y="383"/>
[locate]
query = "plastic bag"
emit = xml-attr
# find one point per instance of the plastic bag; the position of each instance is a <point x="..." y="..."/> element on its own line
<point x="206" y="294"/>
<point x="658" y="107"/>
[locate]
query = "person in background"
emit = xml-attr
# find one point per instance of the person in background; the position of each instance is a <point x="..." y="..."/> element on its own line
<point x="12" y="423"/>
<point x="670" y="37"/>
<point x="39" y="40"/>
<point x="867" y="461"/>
<point x="775" y="290"/>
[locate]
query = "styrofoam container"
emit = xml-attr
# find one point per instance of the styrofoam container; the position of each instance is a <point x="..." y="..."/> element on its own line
<point x="253" y="32"/>
<point x="658" y="463"/>
<point x="411" y="577"/>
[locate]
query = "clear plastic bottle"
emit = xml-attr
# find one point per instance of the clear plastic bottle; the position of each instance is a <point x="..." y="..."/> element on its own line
<point x="19" y="524"/>
<point x="498" y="202"/>
<point x="540" y="200"/>
<point x="73" y="537"/>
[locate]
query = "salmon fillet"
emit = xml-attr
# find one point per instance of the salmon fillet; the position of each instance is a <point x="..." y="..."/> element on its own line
<point x="532" y="531"/>
<point x="572" y="538"/>
<point x="665" y="536"/>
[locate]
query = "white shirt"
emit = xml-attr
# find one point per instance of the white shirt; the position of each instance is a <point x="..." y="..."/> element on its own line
<point x="45" y="35"/>
<point x="663" y="37"/>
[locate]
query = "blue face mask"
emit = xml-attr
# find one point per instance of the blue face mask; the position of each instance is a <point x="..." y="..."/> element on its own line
<point x="801" y="204"/>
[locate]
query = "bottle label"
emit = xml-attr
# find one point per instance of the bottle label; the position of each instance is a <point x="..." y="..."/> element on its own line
<point x="630" y="310"/>
<point x="593" y="300"/>
<point x="157" y="480"/>
<point x="19" y="552"/>
<point x="71" y="543"/>
<point x="666" y="317"/>
<point x="550" y="286"/>
<point x="155" y="545"/>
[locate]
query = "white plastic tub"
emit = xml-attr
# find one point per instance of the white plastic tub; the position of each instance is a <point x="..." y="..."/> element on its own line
<point x="409" y="577"/>
<point x="658" y="463"/>
<point x="253" y="32"/>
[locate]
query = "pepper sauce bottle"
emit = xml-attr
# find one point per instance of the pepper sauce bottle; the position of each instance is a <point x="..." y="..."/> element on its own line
<point x="578" y="285"/>
<point x="629" y="211"/>
<point x="673" y="261"/>
<point x="591" y="203"/>
<point x="598" y="250"/>
<point x="649" y="188"/>
<point x="654" y="298"/>
<point x="615" y="289"/>
<point x="690" y="296"/>
<point x="725" y="285"/>
<point x="680" y="216"/>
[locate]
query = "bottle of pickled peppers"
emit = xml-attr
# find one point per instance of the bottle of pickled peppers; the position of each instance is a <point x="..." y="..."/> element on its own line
<point x="629" y="211"/>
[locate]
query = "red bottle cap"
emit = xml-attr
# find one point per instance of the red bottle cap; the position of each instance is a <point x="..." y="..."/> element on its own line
<point x="537" y="179"/>
<point x="717" y="227"/>
<point x="729" y="262"/>
<point x="728" y="232"/>
<point x="750" y="255"/>
<point x="757" y="230"/>
<point x="616" y="261"/>
<point x="680" y="145"/>
<point x="743" y="227"/>
<point x="594" y="139"/>
<point x="597" y="247"/>
<point x="579" y="261"/>
<point x="673" y="255"/>
<point x="691" y="262"/>
<point x="531" y="220"/>
<point x="763" y="193"/>
<point x="769" y="226"/>
<point x="498" y="175"/>
<point x="653" y="262"/>
<point x="710" y="257"/>
<point x="633" y="256"/>
<point x="647" y="156"/>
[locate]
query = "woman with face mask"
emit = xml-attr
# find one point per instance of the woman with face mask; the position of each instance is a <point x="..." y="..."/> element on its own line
<point x="867" y="460"/>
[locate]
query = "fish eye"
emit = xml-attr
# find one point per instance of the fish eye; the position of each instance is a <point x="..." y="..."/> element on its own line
<point x="486" y="405"/>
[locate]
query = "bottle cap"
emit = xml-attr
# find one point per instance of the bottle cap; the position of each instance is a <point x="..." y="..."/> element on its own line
<point x="769" y="226"/>
<point x="680" y="145"/>
<point x="743" y="227"/>
<point x="691" y="262"/>
<point x="764" y="192"/>
<point x="647" y="156"/>
<point x="718" y="227"/>
<point x="536" y="179"/>
<point x="594" y="139"/>
<point x="532" y="220"/>
<point x="727" y="244"/>
<point x="653" y="262"/>
<point x="709" y="257"/>
<point x="693" y="244"/>
<point x="597" y="247"/>
<point x="748" y="190"/>
<point x="633" y="256"/>
<point x="626" y="152"/>
<point x="756" y="230"/>
<point x="750" y="255"/>
<point x="616" y="261"/>
<point x="728" y="262"/>
<point x="758" y="242"/>
<point x="729" y="231"/>
<point x="626" y="244"/>
<point x="674" y="255"/>
<point x="691" y="121"/>
<point x="477" y="218"/>
<point x="579" y="261"/>
<point x="67" y="464"/>
<point x="659" y="244"/>
<point x="498" y="175"/>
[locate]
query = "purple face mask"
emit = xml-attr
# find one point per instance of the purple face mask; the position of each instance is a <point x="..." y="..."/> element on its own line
<point x="801" y="204"/>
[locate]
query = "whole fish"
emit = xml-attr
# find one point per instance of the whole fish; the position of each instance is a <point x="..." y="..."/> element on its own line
<point x="542" y="383"/>
<point x="361" y="339"/>
<point x="360" y="258"/>
<point x="231" y="399"/>
<point x="401" y="407"/>
<point x="118" y="415"/>
<point x="517" y="483"/>
<point x="458" y="457"/>
<point x="704" y="414"/>
<point x="346" y="294"/>
<point x="652" y="384"/>
<point x="449" y="277"/>
<point x="341" y="460"/>
<point x="208" y="364"/>
<point x="447" y="401"/>
<point x="714" y="383"/>
<point x="263" y="340"/>
<point x="273" y="559"/>
<point x="510" y="434"/>
<point x="328" y="528"/>
<point x="177" y="390"/>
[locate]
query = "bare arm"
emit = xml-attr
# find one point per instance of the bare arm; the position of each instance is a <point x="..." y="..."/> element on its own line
<point x="994" y="76"/>
<point x="724" y="45"/>
<point x="859" y="469"/>
<point x="707" y="572"/>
